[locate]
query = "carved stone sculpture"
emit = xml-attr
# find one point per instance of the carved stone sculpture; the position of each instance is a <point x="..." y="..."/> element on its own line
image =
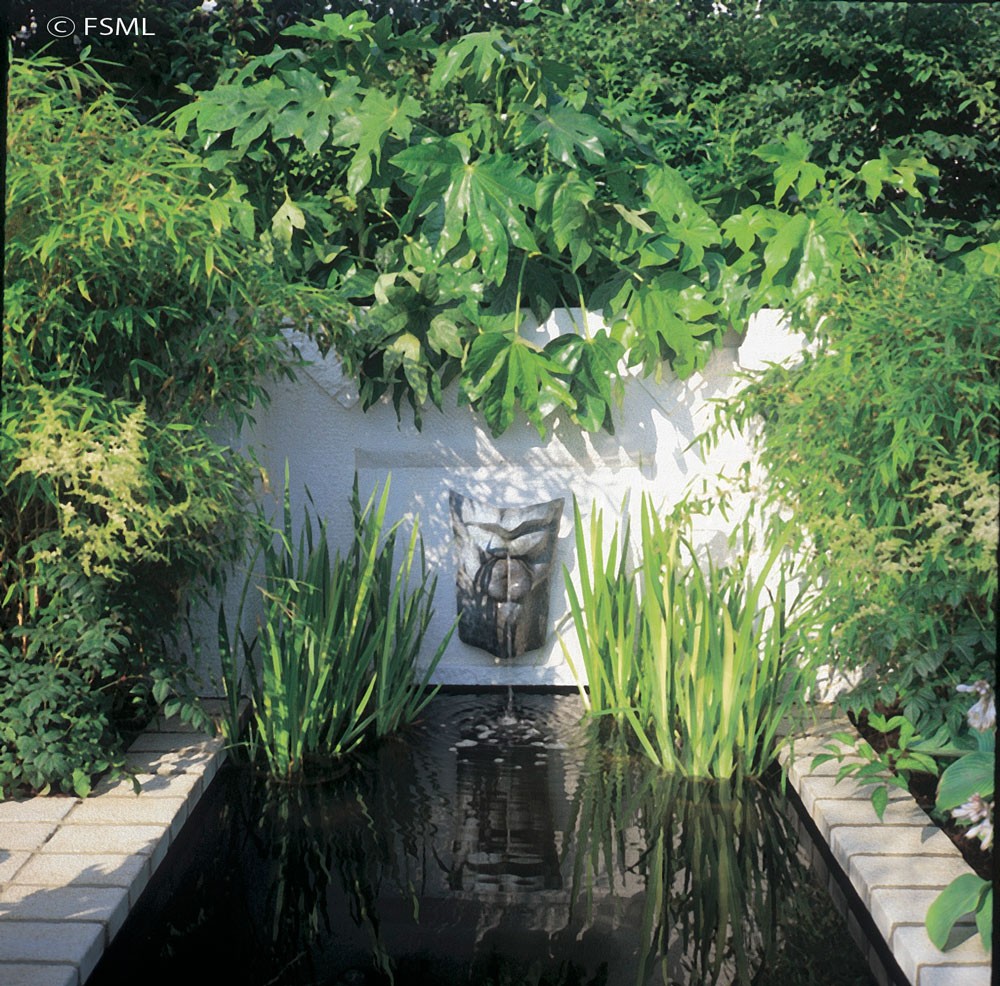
<point x="504" y="561"/>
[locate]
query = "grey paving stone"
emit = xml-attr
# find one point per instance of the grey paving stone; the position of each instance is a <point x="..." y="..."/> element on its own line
<point x="11" y="863"/>
<point x="48" y="809"/>
<point x="825" y="788"/>
<point x="153" y="786"/>
<point x="179" y="743"/>
<point x="892" y="907"/>
<point x="116" y="839"/>
<point x="108" y="905"/>
<point x="891" y="840"/>
<point x="915" y="953"/>
<point x="25" y="974"/>
<point x="802" y="768"/>
<point x="49" y="869"/>
<point x="25" y="836"/>
<point x="954" y="975"/>
<point x="107" y="810"/>
<point x="169" y="761"/>
<point x="77" y="943"/>
<point x="868" y="873"/>
<point x="828" y="813"/>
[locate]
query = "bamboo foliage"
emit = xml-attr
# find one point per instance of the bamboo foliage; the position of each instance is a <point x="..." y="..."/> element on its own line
<point x="696" y="662"/>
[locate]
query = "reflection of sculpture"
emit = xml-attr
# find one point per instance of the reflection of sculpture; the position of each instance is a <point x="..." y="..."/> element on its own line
<point x="504" y="560"/>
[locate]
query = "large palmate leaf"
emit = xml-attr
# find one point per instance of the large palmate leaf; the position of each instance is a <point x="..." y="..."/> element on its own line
<point x="792" y="166"/>
<point x="504" y="371"/>
<point x="476" y="58"/>
<point x="804" y="251"/>
<point x="368" y="127"/>
<point x="568" y="134"/>
<point x="673" y="319"/>
<point x="591" y="367"/>
<point x="564" y="204"/>
<point x="482" y="199"/>
<point x="308" y="113"/>
<point x="683" y="219"/>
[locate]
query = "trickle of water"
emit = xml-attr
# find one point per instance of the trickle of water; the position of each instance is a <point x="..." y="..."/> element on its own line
<point x="509" y="718"/>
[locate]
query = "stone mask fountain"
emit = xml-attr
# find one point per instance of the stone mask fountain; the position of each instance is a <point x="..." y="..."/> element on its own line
<point x="505" y="557"/>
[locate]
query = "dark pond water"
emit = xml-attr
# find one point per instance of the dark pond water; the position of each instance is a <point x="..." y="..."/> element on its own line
<point x="494" y="843"/>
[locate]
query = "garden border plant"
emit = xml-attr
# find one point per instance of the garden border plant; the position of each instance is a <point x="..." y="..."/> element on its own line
<point x="899" y="394"/>
<point x="338" y="640"/>
<point x="139" y="313"/>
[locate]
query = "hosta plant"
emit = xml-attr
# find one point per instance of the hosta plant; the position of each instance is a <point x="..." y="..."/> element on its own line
<point x="966" y="791"/>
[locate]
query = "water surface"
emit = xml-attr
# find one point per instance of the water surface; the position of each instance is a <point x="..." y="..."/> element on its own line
<point x="494" y="842"/>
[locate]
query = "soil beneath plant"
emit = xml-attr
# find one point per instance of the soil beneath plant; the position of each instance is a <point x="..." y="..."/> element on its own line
<point x="923" y="787"/>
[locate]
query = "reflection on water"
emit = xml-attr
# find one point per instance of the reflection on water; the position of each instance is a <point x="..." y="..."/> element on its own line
<point x="497" y="842"/>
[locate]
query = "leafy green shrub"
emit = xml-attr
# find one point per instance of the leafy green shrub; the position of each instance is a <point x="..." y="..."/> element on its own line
<point x="446" y="190"/>
<point x="715" y="81"/>
<point x="51" y="729"/>
<point x="690" y="660"/>
<point x="137" y="315"/>
<point x="338" y="640"/>
<point x="883" y="445"/>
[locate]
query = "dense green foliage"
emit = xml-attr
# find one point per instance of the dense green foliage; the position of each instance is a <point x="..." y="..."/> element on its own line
<point x="899" y="402"/>
<point x="698" y="663"/>
<point x="855" y="80"/>
<point x="337" y="643"/>
<point x="137" y="312"/>
<point x="447" y="190"/>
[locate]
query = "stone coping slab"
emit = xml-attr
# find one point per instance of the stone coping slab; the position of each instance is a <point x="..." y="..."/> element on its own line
<point x="72" y="868"/>
<point x="896" y="866"/>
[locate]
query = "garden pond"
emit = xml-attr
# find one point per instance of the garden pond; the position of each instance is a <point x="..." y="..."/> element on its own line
<point x="492" y="842"/>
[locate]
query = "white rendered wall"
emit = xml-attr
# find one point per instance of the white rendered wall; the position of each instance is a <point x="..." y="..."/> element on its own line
<point x="317" y="424"/>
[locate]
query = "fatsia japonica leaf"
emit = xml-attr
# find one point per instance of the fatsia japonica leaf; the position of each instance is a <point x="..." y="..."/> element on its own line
<point x="477" y="57"/>
<point x="681" y="217"/>
<point x="792" y="166"/>
<point x="308" y="113"/>
<point x="804" y="251"/>
<point x="747" y="226"/>
<point x="563" y="201"/>
<point x="368" y="127"/>
<point x="567" y="133"/>
<point x="483" y="200"/>
<point x="591" y="367"/>
<point x="504" y="371"/>
<point x="670" y="315"/>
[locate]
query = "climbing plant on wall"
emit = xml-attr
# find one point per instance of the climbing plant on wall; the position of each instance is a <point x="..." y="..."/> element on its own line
<point x="446" y="190"/>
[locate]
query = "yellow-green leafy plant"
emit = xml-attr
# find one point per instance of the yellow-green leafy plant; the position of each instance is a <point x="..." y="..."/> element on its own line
<point x="698" y="663"/>
<point x="138" y="313"/>
<point x="880" y="444"/>
<point x="337" y="643"/>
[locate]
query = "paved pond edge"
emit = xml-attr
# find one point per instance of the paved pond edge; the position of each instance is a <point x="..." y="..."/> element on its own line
<point x="71" y="869"/>
<point x="896" y="867"/>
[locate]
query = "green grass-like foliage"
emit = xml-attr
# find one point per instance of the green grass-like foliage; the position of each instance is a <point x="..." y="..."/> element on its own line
<point x="337" y="643"/>
<point x="693" y="661"/>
